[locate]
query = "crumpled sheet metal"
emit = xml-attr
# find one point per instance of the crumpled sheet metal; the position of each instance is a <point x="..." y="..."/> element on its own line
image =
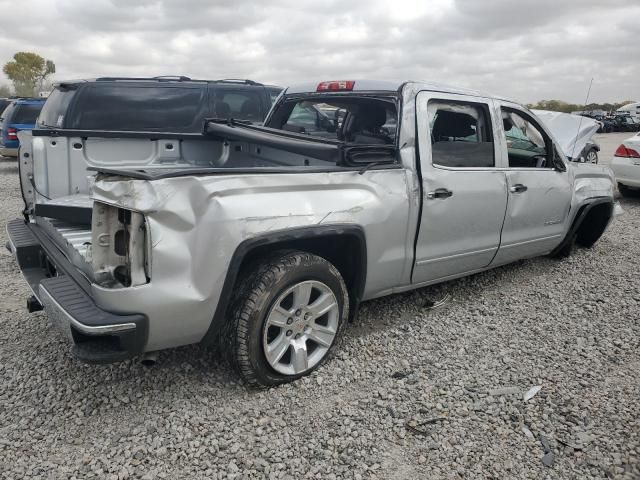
<point x="571" y="131"/>
<point x="196" y="223"/>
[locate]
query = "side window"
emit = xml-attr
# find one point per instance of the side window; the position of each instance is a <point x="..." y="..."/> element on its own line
<point x="461" y="134"/>
<point x="241" y="104"/>
<point x="526" y="143"/>
<point x="26" y="113"/>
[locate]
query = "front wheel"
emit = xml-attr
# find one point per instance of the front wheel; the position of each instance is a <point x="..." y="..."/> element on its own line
<point x="591" y="156"/>
<point x="288" y="316"/>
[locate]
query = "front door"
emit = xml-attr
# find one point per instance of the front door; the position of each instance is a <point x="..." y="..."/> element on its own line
<point x="539" y="192"/>
<point x="464" y="190"/>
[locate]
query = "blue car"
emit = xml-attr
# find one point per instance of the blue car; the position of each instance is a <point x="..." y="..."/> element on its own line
<point x="21" y="114"/>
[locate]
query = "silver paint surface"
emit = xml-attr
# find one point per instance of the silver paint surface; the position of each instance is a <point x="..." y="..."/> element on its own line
<point x="196" y="223"/>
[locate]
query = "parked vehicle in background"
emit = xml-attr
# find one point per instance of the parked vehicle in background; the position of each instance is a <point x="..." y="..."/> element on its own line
<point x="626" y="166"/>
<point x="632" y="109"/>
<point x="574" y="134"/>
<point x="626" y="123"/>
<point x="161" y="104"/>
<point x="589" y="153"/>
<point x="267" y="238"/>
<point x="19" y="115"/>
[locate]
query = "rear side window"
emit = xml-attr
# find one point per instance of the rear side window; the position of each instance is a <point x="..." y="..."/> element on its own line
<point x="55" y="108"/>
<point x="26" y="113"/>
<point x="461" y="135"/>
<point x="139" y="108"/>
<point x="240" y="104"/>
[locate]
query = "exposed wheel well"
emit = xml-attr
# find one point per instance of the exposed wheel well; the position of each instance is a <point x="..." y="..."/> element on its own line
<point x="593" y="224"/>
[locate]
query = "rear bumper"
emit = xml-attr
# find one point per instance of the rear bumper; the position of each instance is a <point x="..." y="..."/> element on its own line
<point x="626" y="170"/>
<point x="96" y="336"/>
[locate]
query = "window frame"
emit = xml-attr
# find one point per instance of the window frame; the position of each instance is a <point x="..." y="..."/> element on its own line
<point x="323" y="97"/>
<point x="71" y="122"/>
<point x="421" y="130"/>
<point x="550" y="145"/>
<point x="484" y="107"/>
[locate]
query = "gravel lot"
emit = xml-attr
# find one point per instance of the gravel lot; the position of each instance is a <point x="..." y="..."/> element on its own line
<point x="414" y="393"/>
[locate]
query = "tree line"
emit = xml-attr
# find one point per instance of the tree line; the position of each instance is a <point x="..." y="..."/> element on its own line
<point x="28" y="72"/>
<point x="560" y="106"/>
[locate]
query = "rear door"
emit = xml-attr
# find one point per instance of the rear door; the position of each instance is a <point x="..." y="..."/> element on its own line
<point x="464" y="189"/>
<point x="539" y="192"/>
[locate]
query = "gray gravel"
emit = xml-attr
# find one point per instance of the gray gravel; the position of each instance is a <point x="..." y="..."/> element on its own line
<point x="414" y="393"/>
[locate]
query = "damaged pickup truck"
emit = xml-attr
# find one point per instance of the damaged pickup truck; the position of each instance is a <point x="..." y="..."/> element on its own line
<point x="267" y="238"/>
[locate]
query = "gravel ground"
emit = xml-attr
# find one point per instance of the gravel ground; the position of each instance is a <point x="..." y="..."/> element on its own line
<point x="414" y="393"/>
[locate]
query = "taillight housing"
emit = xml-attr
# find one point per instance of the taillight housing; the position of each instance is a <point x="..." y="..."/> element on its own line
<point x="12" y="134"/>
<point x="336" y="86"/>
<point x="626" y="152"/>
<point x="120" y="247"/>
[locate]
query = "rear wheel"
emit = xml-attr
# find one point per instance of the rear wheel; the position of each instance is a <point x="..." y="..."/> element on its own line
<point x="288" y="317"/>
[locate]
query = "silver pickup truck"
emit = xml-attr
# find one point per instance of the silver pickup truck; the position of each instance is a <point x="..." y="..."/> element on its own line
<point x="267" y="238"/>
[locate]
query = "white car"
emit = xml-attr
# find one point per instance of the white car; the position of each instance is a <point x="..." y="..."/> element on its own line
<point x="626" y="166"/>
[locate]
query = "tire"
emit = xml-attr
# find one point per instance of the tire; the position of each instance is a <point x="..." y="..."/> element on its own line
<point x="591" y="156"/>
<point x="567" y="250"/>
<point x="628" y="191"/>
<point x="276" y="333"/>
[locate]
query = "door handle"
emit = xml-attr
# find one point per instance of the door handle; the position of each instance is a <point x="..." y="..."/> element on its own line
<point x="518" y="188"/>
<point x="439" y="193"/>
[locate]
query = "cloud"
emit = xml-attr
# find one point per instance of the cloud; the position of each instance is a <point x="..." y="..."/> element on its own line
<point x="527" y="50"/>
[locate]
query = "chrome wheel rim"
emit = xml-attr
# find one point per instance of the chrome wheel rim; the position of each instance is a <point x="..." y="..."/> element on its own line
<point x="592" y="157"/>
<point x="300" y="327"/>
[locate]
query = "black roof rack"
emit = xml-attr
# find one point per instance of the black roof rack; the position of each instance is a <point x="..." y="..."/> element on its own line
<point x="178" y="78"/>
<point x="237" y="80"/>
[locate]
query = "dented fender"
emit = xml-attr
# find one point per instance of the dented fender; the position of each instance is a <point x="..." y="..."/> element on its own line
<point x="196" y="223"/>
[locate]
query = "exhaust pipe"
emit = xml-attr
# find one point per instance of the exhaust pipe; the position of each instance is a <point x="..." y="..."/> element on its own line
<point x="149" y="359"/>
<point x="33" y="305"/>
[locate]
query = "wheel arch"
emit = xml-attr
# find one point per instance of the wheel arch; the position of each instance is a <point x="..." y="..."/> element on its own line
<point x="344" y="245"/>
<point x="589" y="223"/>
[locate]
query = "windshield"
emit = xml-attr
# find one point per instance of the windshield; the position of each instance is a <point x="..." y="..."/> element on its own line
<point x="26" y="114"/>
<point x="358" y="120"/>
<point x="138" y="108"/>
<point x="55" y="108"/>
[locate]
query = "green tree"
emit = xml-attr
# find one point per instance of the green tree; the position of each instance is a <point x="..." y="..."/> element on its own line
<point x="560" y="106"/>
<point x="5" y="91"/>
<point x="28" y="71"/>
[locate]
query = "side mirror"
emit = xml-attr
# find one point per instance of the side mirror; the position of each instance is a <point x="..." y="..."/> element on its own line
<point x="558" y="164"/>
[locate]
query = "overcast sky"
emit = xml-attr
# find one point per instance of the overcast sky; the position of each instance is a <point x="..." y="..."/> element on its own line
<point x="523" y="49"/>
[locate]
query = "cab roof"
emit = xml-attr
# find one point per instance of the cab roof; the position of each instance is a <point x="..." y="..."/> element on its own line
<point x="386" y="86"/>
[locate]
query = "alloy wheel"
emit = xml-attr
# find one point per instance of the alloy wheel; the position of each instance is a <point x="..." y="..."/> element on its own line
<point x="300" y="327"/>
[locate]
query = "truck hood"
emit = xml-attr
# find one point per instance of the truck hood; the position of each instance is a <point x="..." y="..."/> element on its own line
<point x="571" y="131"/>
